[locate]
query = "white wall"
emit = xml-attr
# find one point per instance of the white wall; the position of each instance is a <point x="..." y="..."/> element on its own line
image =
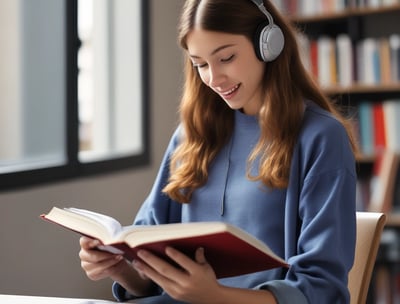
<point x="37" y="258"/>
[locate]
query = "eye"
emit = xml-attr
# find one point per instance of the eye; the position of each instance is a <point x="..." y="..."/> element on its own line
<point x="228" y="59"/>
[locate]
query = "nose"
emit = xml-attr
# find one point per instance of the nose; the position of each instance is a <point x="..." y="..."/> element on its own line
<point x="215" y="77"/>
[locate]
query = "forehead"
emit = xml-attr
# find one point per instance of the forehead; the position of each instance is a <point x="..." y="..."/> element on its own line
<point x="203" y="43"/>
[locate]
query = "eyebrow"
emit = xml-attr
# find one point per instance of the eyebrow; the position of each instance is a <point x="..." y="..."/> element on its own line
<point x="222" y="47"/>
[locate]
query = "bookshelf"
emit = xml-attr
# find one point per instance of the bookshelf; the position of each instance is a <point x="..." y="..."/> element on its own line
<point x="348" y="12"/>
<point x="360" y="89"/>
<point x="357" y="37"/>
<point x="364" y="23"/>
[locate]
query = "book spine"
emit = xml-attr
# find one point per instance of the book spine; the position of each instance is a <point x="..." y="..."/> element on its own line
<point x="379" y="124"/>
<point x="366" y="128"/>
<point x="394" y="43"/>
<point x="345" y="60"/>
<point x="314" y="58"/>
<point x="325" y="61"/>
<point x="384" y="53"/>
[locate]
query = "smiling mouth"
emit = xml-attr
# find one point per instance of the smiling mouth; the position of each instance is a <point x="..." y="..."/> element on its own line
<point x="231" y="91"/>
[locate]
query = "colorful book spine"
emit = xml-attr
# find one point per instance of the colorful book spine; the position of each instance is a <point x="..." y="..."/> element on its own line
<point x="379" y="127"/>
<point x="366" y="128"/>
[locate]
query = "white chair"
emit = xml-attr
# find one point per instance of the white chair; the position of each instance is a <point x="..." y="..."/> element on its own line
<point x="369" y="229"/>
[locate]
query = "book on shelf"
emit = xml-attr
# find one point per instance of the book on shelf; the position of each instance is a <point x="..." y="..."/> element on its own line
<point x="318" y="7"/>
<point x="314" y="58"/>
<point x="366" y="128"/>
<point x="228" y="249"/>
<point x="344" y="60"/>
<point x="384" y="53"/>
<point x="326" y="61"/>
<point x="378" y="126"/>
<point x="339" y="61"/>
<point x="394" y="43"/>
<point x="369" y="62"/>
<point x="391" y="110"/>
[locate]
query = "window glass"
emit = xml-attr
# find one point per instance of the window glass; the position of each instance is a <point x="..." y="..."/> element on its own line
<point x="109" y="81"/>
<point x="32" y="84"/>
<point x="72" y="88"/>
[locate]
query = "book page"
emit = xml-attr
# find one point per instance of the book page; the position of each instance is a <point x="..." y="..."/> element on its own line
<point x="111" y="224"/>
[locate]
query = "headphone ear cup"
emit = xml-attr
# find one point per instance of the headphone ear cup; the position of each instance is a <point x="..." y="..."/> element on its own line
<point x="257" y="39"/>
<point x="268" y="41"/>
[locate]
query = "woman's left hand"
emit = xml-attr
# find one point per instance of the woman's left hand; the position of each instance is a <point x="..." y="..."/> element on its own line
<point x="194" y="282"/>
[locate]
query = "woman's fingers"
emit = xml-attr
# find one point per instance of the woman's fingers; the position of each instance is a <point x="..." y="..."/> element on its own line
<point x="157" y="269"/>
<point x="100" y="270"/>
<point x="200" y="257"/>
<point x="184" y="261"/>
<point x="88" y="243"/>
<point x="153" y="266"/>
<point x="90" y="253"/>
<point x="96" y="263"/>
<point x="185" y="279"/>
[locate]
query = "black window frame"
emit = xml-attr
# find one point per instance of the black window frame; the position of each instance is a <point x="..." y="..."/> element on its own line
<point x="73" y="167"/>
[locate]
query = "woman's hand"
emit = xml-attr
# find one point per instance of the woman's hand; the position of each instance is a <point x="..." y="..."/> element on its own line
<point x="194" y="282"/>
<point x="98" y="264"/>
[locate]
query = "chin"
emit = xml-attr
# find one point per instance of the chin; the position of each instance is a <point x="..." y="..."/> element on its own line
<point x="234" y="106"/>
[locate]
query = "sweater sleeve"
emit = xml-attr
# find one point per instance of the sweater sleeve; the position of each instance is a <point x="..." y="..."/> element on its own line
<point x="120" y="293"/>
<point x="325" y="246"/>
<point x="320" y="221"/>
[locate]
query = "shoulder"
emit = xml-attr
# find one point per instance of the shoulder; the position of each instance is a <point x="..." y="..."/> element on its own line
<point x="176" y="138"/>
<point x="319" y="124"/>
<point x="323" y="140"/>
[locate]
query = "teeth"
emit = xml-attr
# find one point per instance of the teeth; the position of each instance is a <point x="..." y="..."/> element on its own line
<point x="231" y="90"/>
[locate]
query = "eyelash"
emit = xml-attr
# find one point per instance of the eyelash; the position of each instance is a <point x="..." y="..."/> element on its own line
<point x="224" y="60"/>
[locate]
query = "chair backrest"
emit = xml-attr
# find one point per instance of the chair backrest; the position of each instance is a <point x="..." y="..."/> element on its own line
<point x="369" y="229"/>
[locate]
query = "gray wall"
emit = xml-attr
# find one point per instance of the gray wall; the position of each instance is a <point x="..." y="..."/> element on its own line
<point x="38" y="258"/>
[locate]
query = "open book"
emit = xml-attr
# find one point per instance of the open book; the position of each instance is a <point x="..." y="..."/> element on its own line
<point x="229" y="250"/>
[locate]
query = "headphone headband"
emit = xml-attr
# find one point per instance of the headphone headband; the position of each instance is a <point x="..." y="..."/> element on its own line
<point x="261" y="7"/>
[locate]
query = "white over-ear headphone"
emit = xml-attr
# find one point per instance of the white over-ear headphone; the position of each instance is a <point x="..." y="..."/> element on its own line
<point x="268" y="38"/>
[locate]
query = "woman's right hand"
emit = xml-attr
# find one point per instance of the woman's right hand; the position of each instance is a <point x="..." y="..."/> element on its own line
<point x="99" y="264"/>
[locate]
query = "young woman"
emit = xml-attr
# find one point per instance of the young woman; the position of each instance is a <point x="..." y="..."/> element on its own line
<point x="259" y="146"/>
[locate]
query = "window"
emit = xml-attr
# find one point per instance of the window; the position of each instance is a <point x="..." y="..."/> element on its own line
<point x="73" y="88"/>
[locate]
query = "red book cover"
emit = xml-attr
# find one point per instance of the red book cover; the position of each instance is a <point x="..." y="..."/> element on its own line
<point x="228" y="255"/>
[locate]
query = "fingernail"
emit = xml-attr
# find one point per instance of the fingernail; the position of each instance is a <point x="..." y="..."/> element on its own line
<point x="136" y="264"/>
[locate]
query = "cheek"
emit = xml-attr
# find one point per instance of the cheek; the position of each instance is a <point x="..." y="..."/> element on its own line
<point x="257" y="74"/>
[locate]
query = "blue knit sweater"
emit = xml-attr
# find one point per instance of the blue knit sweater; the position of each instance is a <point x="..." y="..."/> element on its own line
<point x="311" y="223"/>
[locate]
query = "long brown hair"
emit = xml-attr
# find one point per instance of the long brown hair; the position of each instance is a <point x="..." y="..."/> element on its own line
<point x="208" y="122"/>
